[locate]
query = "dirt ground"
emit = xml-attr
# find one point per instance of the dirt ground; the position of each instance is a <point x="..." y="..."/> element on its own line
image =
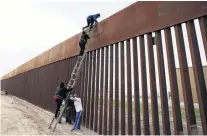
<point x="19" y="117"/>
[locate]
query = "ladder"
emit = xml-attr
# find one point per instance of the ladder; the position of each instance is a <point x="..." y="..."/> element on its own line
<point x="71" y="84"/>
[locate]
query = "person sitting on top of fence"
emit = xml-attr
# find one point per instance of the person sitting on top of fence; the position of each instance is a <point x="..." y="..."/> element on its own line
<point x="83" y="41"/>
<point x="91" y="19"/>
<point x="60" y="95"/>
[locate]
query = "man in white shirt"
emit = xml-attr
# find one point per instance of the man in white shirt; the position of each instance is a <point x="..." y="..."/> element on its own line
<point x="79" y="109"/>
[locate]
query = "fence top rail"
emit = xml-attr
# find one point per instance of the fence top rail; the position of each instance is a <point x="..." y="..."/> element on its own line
<point x="136" y="19"/>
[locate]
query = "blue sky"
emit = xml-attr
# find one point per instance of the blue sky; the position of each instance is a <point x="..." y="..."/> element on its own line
<point x="29" y="27"/>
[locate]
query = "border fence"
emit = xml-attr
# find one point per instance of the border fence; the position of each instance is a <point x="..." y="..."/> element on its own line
<point x="131" y="58"/>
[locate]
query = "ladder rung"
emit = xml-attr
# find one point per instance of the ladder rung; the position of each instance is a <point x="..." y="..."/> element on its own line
<point x="73" y="77"/>
<point x="74" y="73"/>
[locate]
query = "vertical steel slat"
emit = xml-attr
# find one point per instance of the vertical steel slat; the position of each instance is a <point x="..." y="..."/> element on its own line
<point x="110" y="124"/>
<point x="184" y="73"/>
<point x="25" y="83"/>
<point x="178" y="128"/>
<point x="122" y="90"/>
<point x="144" y="86"/>
<point x="162" y="83"/>
<point x="106" y="91"/>
<point x="59" y="72"/>
<point x="68" y="70"/>
<point x="82" y="81"/>
<point x="65" y="71"/>
<point x="79" y="80"/>
<point x="129" y="88"/>
<point x="153" y="89"/>
<point x="73" y="61"/>
<point x="136" y="88"/>
<point x="78" y="84"/>
<point x="37" y="86"/>
<point x="41" y="81"/>
<point x="117" y="77"/>
<point x="101" y="93"/>
<point x="97" y="91"/>
<point x="33" y="92"/>
<point x="73" y="66"/>
<point x="203" y="27"/>
<point x="81" y="87"/>
<point x="85" y="89"/>
<point x="198" y="74"/>
<point x="93" y="90"/>
<point x="89" y="91"/>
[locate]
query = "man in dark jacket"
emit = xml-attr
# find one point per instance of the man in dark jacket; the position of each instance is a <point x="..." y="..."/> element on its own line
<point x="91" y="19"/>
<point x="83" y="41"/>
<point x="60" y="95"/>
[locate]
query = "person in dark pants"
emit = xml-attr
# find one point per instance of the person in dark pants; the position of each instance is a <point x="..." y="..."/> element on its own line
<point x="83" y="40"/>
<point x="91" y="19"/>
<point x="69" y="110"/>
<point x="59" y="96"/>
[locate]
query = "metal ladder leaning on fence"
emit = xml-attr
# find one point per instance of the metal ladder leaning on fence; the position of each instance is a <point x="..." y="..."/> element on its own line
<point x="71" y="84"/>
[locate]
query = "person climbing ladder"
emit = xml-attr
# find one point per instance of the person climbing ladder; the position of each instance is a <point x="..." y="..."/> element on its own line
<point x="83" y="40"/>
<point x="91" y="19"/>
<point x="63" y="93"/>
<point x="59" y="96"/>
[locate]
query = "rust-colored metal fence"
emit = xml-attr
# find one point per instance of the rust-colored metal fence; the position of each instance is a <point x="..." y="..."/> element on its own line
<point x="129" y="70"/>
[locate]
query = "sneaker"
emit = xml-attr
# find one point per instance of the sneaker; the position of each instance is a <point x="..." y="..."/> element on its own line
<point x="74" y="129"/>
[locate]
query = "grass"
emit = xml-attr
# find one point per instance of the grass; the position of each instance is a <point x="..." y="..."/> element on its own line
<point x="183" y="115"/>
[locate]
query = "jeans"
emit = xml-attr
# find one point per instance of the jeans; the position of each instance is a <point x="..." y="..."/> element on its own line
<point x="77" y="120"/>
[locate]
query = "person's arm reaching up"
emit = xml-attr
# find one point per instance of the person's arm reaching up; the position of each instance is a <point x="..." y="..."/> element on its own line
<point x="69" y="90"/>
<point x="94" y="18"/>
<point x="75" y="99"/>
